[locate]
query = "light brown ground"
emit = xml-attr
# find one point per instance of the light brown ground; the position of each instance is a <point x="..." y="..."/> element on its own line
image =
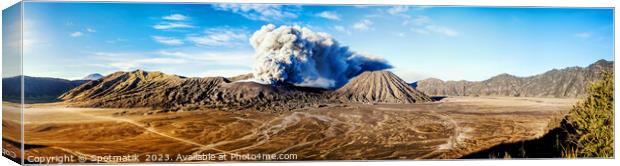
<point x="449" y="128"/>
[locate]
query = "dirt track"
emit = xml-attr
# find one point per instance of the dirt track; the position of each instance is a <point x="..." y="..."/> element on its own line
<point x="450" y="128"/>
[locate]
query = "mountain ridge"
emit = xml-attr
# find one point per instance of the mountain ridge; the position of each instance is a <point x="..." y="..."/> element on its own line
<point x="36" y="89"/>
<point x="155" y="89"/>
<point x="566" y="82"/>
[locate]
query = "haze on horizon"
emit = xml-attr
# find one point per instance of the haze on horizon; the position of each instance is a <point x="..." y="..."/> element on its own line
<point x="72" y="40"/>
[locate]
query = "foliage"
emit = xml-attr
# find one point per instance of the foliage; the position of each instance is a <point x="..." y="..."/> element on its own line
<point x="590" y="122"/>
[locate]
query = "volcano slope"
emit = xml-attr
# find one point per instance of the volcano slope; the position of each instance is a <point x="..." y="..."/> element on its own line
<point x="382" y="87"/>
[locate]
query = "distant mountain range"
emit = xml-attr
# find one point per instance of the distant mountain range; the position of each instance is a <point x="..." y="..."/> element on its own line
<point x="567" y="82"/>
<point x="37" y="89"/>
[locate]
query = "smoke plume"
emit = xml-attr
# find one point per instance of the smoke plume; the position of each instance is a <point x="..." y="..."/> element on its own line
<point x="302" y="57"/>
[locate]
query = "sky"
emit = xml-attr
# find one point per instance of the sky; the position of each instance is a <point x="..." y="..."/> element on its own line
<point x="11" y="46"/>
<point x="72" y="40"/>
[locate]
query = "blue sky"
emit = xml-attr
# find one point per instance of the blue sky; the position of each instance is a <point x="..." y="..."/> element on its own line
<point x="11" y="47"/>
<point x="72" y="40"/>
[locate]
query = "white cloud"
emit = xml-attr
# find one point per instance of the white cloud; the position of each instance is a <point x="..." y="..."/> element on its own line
<point x="342" y="29"/>
<point x="263" y="12"/>
<point x="112" y="55"/>
<point x="140" y="60"/>
<point x="424" y="25"/>
<point x="131" y="64"/>
<point x="224" y="73"/>
<point x="171" y="25"/>
<point x="410" y="76"/>
<point x="422" y="31"/>
<point x="583" y="35"/>
<point x="397" y="9"/>
<point x="32" y="38"/>
<point x="417" y="20"/>
<point x="328" y="15"/>
<point x="161" y="61"/>
<point x="363" y="25"/>
<point x="168" y="40"/>
<point x="186" y="61"/>
<point x="220" y="37"/>
<point x="173" y="21"/>
<point x="442" y="30"/>
<point x="221" y="58"/>
<point x="133" y="60"/>
<point x="79" y="33"/>
<point x="175" y="17"/>
<point x="116" y="40"/>
<point x="76" y="34"/>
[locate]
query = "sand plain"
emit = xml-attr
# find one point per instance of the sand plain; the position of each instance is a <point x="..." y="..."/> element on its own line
<point x="445" y="129"/>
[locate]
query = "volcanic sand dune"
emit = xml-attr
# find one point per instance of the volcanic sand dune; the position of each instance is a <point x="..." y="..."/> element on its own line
<point x="449" y="128"/>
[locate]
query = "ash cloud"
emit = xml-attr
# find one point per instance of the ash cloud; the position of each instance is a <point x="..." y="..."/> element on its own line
<point x="299" y="56"/>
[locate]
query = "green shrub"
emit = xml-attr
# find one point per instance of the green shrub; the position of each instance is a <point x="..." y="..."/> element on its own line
<point x="590" y="122"/>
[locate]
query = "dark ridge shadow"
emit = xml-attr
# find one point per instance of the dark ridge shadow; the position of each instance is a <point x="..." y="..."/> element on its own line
<point x="36" y="89"/>
<point x="26" y="146"/>
<point x="548" y="146"/>
<point x="39" y="100"/>
<point x="300" y="88"/>
<point x="11" y="99"/>
<point x="32" y="100"/>
<point x="438" y="98"/>
<point x="414" y="85"/>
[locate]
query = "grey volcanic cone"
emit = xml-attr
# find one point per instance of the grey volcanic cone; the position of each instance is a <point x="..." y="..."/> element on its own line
<point x="380" y="87"/>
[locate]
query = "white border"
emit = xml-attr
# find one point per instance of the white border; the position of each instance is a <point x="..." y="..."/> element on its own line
<point x="520" y="3"/>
